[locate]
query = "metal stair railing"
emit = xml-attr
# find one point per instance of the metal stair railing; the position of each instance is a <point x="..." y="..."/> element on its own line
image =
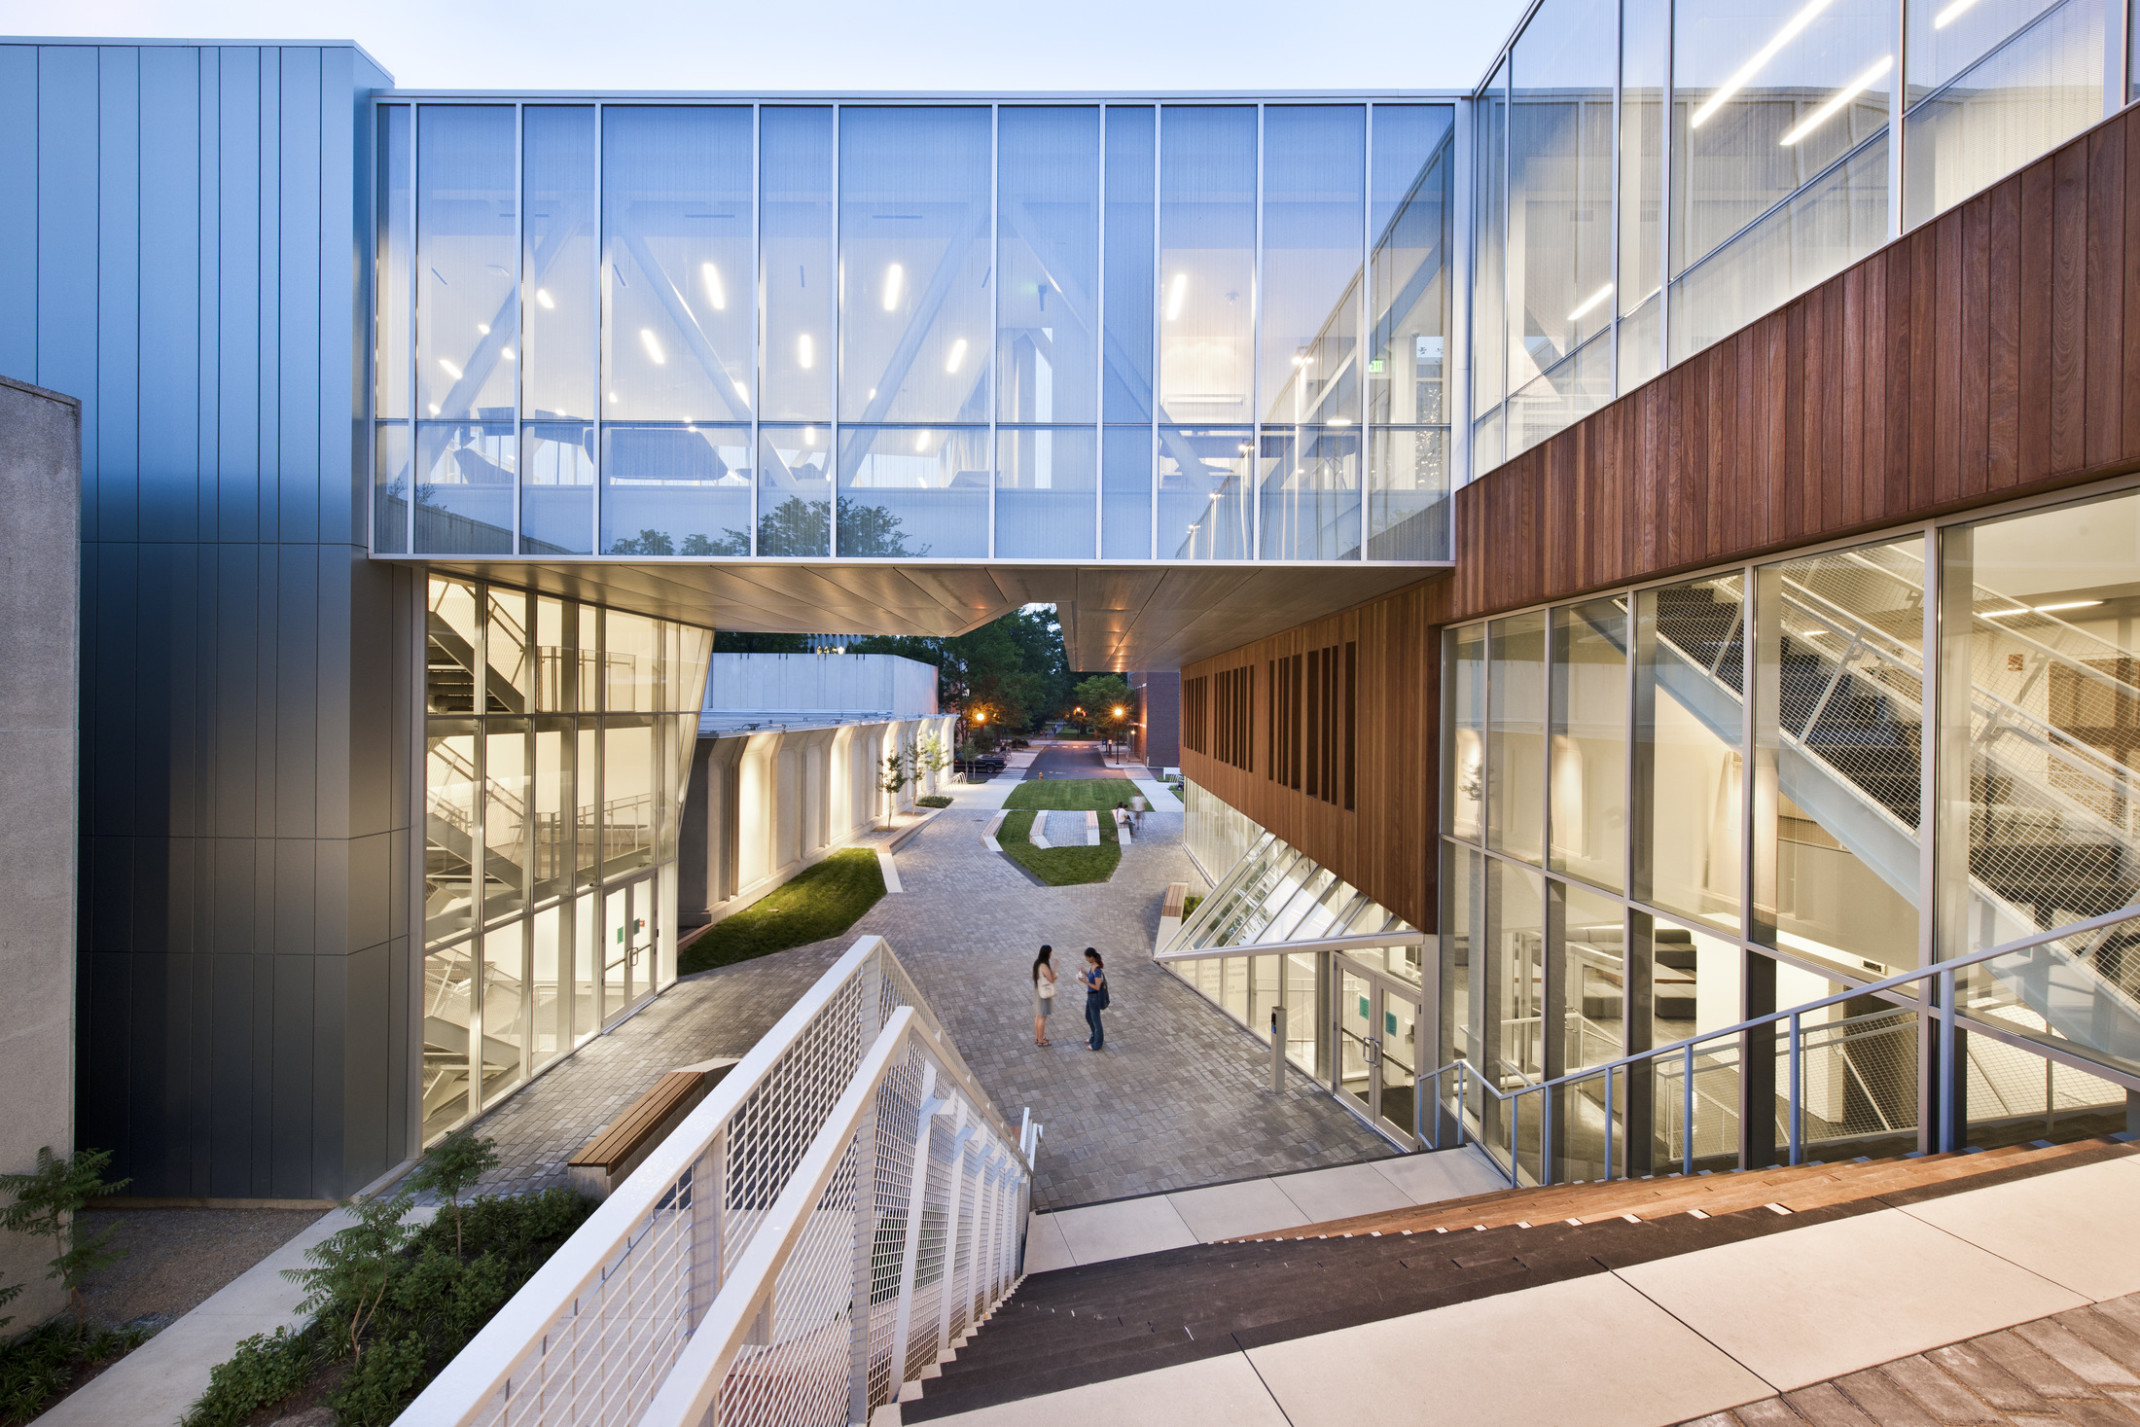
<point x="1960" y="976"/>
<point x="825" y="1224"/>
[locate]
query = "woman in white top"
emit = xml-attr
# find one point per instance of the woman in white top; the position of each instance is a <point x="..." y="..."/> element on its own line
<point x="1043" y="994"/>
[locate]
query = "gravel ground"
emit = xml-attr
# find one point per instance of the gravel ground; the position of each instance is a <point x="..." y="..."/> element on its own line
<point x="175" y="1258"/>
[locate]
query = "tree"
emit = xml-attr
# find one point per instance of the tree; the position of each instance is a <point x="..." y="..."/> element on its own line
<point x="732" y="542"/>
<point x="1012" y="669"/>
<point x="46" y="1200"/>
<point x="872" y="530"/>
<point x="796" y="527"/>
<point x="355" y="1266"/>
<point x="452" y="1168"/>
<point x="896" y="774"/>
<point x="732" y="641"/>
<point x="1099" y="695"/>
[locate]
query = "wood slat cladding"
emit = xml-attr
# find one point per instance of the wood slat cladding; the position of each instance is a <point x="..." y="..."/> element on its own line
<point x="1344" y="761"/>
<point x="1992" y="352"/>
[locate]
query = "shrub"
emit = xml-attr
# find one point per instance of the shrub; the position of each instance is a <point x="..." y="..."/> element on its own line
<point x="267" y="1368"/>
<point x="933" y="800"/>
<point x="46" y="1200"/>
<point x="47" y="1361"/>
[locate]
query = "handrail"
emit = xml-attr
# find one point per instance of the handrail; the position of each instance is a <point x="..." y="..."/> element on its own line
<point x="1685" y="1048"/>
<point x="602" y="1248"/>
<point x="694" y="1381"/>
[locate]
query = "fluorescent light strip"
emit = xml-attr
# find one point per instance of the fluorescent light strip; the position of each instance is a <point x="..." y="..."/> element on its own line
<point x="1590" y="302"/>
<point x="653" y="347"/>
<point x="715" y="293"/>
<point x="957" y="358"/>
<point x="2042" y="609"/>
<point x="895" y="278"/>
<point x="805" y="352"/>
<point x="1176" y="290"/>
<point x="451" y="370"/>
<point x="1752" y="67"/>
<point x="1835" y="105"/>
<point x="1952" y="13"/>
<point x="542" y="295"/>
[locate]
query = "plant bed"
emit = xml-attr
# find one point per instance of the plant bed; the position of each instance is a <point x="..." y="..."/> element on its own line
<point x="392" y="1304"/>
<point x="1058" y="866"/>
<point x="818" y="902"/>
<point x="52" y="1360"/>
<point x="933" y="800"/>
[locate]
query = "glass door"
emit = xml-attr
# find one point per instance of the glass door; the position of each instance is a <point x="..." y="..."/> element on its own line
<point x="618" y="948"/>
<point x="1377" y="1059"/>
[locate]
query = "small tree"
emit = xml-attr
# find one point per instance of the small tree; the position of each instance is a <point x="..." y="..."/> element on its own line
<point x="896" y="772"/>
<point x="46" y="1200"/>
<point x="452" y="1169"/>
<point x="355" y="1266"/>
<point x="931" y="757"/>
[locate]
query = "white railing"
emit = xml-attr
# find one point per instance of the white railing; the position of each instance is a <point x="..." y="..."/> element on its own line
<point x="825" y="1225"/>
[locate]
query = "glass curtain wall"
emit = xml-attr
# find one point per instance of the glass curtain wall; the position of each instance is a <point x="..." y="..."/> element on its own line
<point x="1627" y="216"/>
<point x="1671" y="808"/>
<point x="1036" y="331"/>
<point x="557" y="740"/>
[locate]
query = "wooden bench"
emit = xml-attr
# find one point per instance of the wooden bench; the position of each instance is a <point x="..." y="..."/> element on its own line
<point x="1170" y="912"/>
<point x="619" y="1146"/>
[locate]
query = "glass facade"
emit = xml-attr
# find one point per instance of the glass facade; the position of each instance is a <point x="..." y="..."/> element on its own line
<point x="1626" y="215"/>
<point x="1671" y="808"/>
<point x="557" y="738"/>
<point x="1182" y="331"/>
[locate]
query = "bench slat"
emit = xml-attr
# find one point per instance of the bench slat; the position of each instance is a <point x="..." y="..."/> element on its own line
<point x="616" y="1144"/>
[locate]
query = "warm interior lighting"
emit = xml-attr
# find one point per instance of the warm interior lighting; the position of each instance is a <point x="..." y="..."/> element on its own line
<point x="715" y="293"/>
<point x="805" y="351"/>
<point x="1835" y="104"/>
<point x="1952" y="13"/>
<point x="653" y="347"/>
<point x="451" y="370"/>
<point x="1176" y="291"/>
<point x="1790" y="31"/>
<point x="957" y="358"/>
<point x="1589" y="303"/>
<point x="542" y="295"/>
<point x="2042" y="608"/>
<point x="895" y="278"/>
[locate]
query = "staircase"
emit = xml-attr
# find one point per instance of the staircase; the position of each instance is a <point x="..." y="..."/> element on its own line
<point x="1078" y="1326"/>
<point x="2055" y="823"/>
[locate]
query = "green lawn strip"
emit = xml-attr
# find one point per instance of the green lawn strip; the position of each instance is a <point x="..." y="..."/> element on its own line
<point x="818" y="902"/>
<point x="1072" y="794"/>
<point x="1059" y="866"/>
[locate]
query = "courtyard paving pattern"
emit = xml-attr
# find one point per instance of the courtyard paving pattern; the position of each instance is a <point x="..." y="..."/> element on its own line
<point x="1179" y="1098"/>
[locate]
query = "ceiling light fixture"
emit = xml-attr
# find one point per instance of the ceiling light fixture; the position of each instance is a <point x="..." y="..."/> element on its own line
<point x="1176" y="291"/>
<point x="542" y="295"/>
<point x="957" y="358"/>
<point x="451" y="370"/>
<point x="1790" y="31"/>
<point x="653" y="347"/>
<point x="1584" y="308"/>
<point x="895" y="278"/>
<point x="805" y="352"/>
<point x="715" y="293"/>
<point x="1952" y="13"/>
<point x="1835" y="105"/>
<point x="2042" y="608"/>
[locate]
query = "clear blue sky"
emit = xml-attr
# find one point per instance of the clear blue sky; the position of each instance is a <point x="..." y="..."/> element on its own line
<point x="846" y="44"/>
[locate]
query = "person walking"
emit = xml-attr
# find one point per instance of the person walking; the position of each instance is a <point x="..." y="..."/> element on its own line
<point x="1043" y="994"/>
<point x="1096" y="999"/>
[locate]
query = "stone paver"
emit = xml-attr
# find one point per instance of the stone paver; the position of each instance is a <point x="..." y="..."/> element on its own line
<point x="1178" y="1099"/>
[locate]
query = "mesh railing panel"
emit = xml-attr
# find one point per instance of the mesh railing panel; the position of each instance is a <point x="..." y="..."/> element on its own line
<point x="925" y="1314"/>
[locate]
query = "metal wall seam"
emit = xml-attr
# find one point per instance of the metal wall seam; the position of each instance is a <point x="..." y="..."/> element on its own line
<point x="1154" y="376"/>
<point x="1665" y="227"/>
<point x="601" y="333"/>
<point x="835" y="453"/>
<point x="1897" y="96"/>
<point x="1363" y="339"/>
<point x="1099" y="355"/>
<point x="520" y="309"/>
<point x="995" y="310"/>
<point x="1252" y="480"/>
<point x="1612" y="204"/>
<point x="758" y="298"/>
<point x="416" y="315"/>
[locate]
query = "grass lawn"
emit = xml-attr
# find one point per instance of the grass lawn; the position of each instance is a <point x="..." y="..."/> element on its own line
<point x="1074" y="795"/>
<point x="820" y="901"/>
<point x="1059" y="866"/>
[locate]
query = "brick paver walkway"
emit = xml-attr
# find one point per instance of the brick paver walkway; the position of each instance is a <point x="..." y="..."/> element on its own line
<point x="2080" y="1366"/>
<point x="1179" y="1097"/>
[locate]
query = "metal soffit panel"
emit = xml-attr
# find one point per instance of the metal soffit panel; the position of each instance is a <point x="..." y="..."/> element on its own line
<point x="1112" y="618"/>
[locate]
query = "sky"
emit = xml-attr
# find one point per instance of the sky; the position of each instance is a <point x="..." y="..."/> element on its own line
<point x="846" y="45"/>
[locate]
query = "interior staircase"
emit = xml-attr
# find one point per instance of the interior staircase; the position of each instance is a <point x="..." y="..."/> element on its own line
<point x="1076" y="1326"/>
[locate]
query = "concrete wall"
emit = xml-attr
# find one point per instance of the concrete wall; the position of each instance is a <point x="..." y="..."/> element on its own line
<point x="763" y="805"/>
<point x="845" y="683"/>
<point x="40" y="600"/>
<point x="179" y="249"/>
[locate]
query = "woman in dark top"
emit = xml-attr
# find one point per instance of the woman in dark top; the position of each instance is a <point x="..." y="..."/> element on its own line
<point x="1043" y="994"/>
<point x="1095" y="978"/>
